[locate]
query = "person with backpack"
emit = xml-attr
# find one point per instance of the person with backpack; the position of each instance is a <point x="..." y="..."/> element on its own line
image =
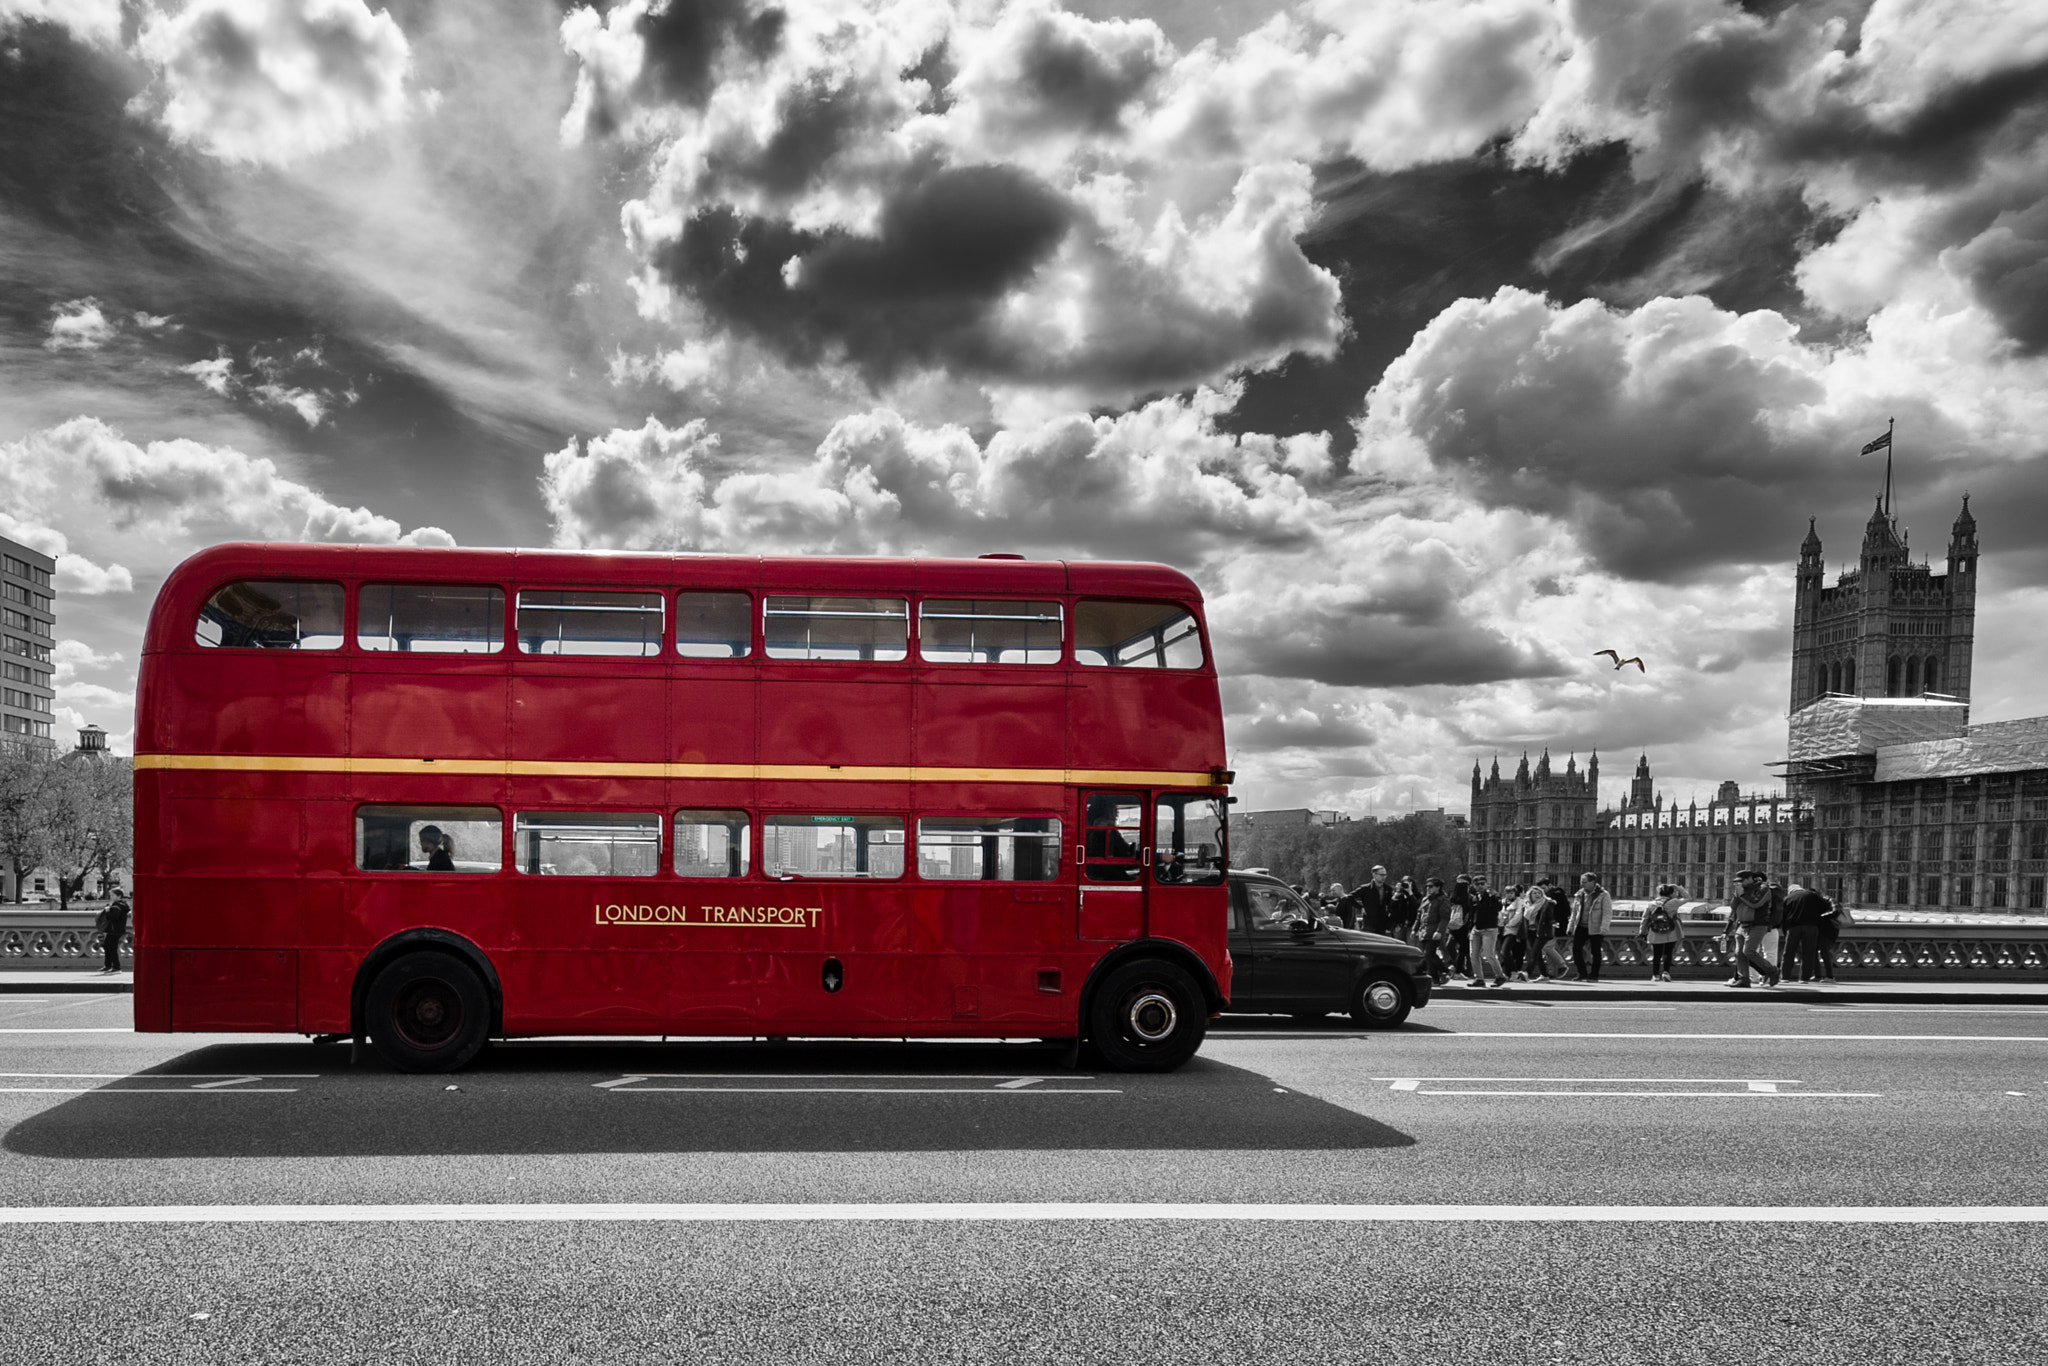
<point x="112" y="923"/>
<point x="1662" y="930"/>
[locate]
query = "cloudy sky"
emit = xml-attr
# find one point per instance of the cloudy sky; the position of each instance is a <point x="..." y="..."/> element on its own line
<point x="1444" y="344"/>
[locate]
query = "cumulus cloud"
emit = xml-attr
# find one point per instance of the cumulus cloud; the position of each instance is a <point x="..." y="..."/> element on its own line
<point x="1678" y="436"/>
<point x="273" y="81"/>
<point x="90" y="21"/>
<point x="70" y="656"/>
<point x="75" y="573"/>
<point x="1022" y="194"/>
<point x="295" y="380"/>
<point x="78" y="326"/>
<point x="179" y="488"/>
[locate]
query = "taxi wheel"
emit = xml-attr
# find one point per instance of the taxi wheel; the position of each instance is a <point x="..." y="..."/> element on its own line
<point x="1382" y="1002"/>
<point x="427" y="1012"/>
<point x="1147" y="1016"/>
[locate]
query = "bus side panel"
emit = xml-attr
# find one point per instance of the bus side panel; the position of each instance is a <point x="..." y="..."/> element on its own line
<point x="965" y="721"/>
<point x="1146" y="719"/>
<point x="451" y="714"/>
<point x="838" y="717"/>
<point x="712" y="710"/>
<point x="152" y="1001"/>
<point x="224" y="990"/>
<point x="1195" y="916"/>
<point x="253" y="702"/>
<point x="587" y="716"/>
<point x="584" y="950"/>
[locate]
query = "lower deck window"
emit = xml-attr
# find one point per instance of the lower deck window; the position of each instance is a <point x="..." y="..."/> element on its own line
<point x="988" y="849"/>
<point x="832" y="846"/>
<point x="588" y="843"/>
<point x="429" y="839"/>
<point x="711" y="843"/>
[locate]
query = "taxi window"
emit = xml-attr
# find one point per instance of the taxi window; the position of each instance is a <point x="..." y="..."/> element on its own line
<point x="1274" y="909"/>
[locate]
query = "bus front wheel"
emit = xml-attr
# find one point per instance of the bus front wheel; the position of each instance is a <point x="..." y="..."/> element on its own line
<point x="1147" y="1016"/>
<point x="428" y="1013"/>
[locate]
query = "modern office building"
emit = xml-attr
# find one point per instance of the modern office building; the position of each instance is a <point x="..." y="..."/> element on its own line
<point x="28" y="632"/>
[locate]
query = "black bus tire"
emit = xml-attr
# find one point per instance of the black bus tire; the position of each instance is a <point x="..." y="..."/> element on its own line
<point x="1382" y="1001"/>
<point x="428" y="1012"/>
<point x="1147" y="1016"/>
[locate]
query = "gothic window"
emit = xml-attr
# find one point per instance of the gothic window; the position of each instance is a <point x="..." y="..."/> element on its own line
<point x="1930" y="677"/>
<point x="1913" y="676"/>
<point x="2037" y="841"/>
<point x="1966" y="845"/>
<point x="1849" y="675"/>
<point x="1820" y="679"/>
<point x="1894" y="675"/>
<point x="1933" y="896"/>
<point x="2001" y="842"/>
<point x="1835" y="676"/>
<point x="1930" y="844"/>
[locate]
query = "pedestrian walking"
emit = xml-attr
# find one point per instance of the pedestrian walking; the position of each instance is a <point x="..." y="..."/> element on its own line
<point x="1432" y="924"/>
<point x="1832" y="922"/>
<point x="1807" y="915"/>
<point x="112" y="923"/>
<point x="1460" y="935"/>
<point x="1514" y="933"/>
<point x="1663" y="930"/>
<point x="1592" y="909"/>
<point x="1406" y="901"/>
<point x="1484" y="913"/>
<point x="1752" y="918"/>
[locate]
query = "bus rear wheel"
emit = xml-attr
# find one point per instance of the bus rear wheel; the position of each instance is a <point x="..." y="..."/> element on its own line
<point x="427" y="1012"/>
<point x="1147" y="1016"/>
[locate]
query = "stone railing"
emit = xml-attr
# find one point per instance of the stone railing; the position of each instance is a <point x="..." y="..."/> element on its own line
<point x="1880" y="946"/>
<point x="37" y="936"/>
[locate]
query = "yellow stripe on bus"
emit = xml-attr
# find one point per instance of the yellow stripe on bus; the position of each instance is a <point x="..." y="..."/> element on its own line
<point x="533" y="768"/>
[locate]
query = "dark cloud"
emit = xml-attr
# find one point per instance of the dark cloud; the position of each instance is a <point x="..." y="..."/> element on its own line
<point x="813" y="123"/>
<point x="937" y="70"/>
<point x="1387" y="652"/>
<point x="1074" y="82"/>
<point x="948" y="245"/>
<point x="1295" y="730"/>
<point x="1942" y="143"/>
<point x="684" y="39"/>
<point x="1406" y="245"/>
<point x="2007" y="267"/>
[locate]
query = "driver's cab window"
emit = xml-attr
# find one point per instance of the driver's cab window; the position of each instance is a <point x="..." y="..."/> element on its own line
<point x="1114" y="838"/>
<point x="1188" y="840"/>
<point x="1274" y="909"/>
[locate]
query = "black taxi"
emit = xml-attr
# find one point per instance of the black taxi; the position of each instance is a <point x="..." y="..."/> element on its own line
<point x="1285" y="961"/>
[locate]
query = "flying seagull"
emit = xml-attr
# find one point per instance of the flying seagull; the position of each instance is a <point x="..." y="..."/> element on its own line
<point x="1619" y="662"/>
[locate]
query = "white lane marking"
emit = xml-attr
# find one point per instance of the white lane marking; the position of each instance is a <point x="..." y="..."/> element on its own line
<point x="1020" y="1083"/>
<point x="1036" y="1211"/>
<point x="1435" y="1004"/>
<point x="24" y="1000"/>
<point x="1592" y="1081"/>
<point x="859" y="1091"/>
<point x="1927" y="1010"/>
<point x="850" y="1076"/>
<point x="1838" y="1038"/>
<point x="201" y="1085"/>
<point x="1748" y="1088"/>
<point x="73" y="1029"/>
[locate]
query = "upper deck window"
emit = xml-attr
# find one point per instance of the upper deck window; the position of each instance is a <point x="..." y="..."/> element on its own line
<point x="836" y="628"/>
<point x="431" y="618"/>
<point x="1136" y="635"/>
<point x="272" y="614"/>
<point x="571" y="621"/>
<point x="714" y="625"/>
<point x="987" y="631"/>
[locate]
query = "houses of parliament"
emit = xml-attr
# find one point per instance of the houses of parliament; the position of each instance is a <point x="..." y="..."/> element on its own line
<point x="1891" y="799"/>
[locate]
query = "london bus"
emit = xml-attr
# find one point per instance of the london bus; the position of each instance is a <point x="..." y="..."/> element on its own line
<point x="430" y="798"/>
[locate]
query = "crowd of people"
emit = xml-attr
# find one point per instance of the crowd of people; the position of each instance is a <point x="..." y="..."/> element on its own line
<point x="1544" y="932"/>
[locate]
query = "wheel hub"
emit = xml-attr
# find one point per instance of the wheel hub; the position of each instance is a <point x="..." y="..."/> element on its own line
<point x="1151" y="1016"/>
<point x="429" y="1013"/>
<point x="1383" y="998"/>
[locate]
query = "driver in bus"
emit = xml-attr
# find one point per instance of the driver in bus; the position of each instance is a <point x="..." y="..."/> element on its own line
<point x="439" y="849"/>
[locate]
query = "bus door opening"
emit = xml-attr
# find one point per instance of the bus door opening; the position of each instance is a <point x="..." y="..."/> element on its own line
<point x="1111" y="856"/>
<point x="1187" y="858"/>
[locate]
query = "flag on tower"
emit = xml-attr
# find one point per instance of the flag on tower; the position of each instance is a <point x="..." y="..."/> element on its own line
<point x="1883" y="443"/>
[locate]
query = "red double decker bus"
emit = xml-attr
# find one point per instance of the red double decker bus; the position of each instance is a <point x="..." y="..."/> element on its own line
<point x="434" y="797"/>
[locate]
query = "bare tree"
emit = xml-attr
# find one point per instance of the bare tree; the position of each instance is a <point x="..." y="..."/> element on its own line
<point x="63" y="833"/>
<point x="110" y="796"/>
<point x="24" y="773"/>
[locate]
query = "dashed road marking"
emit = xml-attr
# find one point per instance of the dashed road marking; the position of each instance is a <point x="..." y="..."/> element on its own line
<point x="1738" y="1088"/>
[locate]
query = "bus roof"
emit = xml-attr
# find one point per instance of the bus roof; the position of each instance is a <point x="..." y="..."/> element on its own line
<point x="200" y="575"/>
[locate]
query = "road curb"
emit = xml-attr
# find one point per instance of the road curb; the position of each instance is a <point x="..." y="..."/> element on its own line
<point x="1987" y="993"/>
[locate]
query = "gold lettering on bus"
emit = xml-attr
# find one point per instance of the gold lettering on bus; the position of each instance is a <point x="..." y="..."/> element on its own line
<point x="768" y="917"/>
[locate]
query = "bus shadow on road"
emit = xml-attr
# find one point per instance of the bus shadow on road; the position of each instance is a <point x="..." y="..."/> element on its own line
<point x="298" y="1100"/>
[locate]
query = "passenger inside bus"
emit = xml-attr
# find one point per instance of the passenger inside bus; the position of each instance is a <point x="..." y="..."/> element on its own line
<point x="439" y="849"/>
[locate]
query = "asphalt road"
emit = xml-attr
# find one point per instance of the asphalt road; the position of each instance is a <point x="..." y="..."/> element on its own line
<point x="1748" y="1103"/>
